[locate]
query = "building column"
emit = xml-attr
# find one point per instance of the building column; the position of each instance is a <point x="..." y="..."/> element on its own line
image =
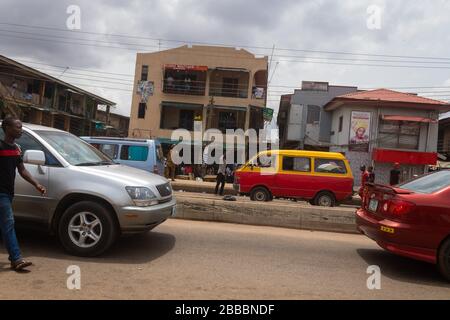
<point x="66" y="123"/>
<point x="41" y="92"/>
<point x="37" y="119"/>
<point x="247" y="119"/>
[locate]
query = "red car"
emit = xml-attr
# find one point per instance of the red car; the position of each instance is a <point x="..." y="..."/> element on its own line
<point x="412" y="219"/>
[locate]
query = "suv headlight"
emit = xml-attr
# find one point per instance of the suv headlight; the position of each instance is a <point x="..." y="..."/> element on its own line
<point x="141" y="196"/>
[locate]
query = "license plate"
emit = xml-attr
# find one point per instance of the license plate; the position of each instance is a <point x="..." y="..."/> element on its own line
<point x="388" y="230"/>
<point x="373" y="205"/>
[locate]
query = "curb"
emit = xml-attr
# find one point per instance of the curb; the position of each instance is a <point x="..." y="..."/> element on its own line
<point x="179" y="186"/>
<point x="270" y="214"/>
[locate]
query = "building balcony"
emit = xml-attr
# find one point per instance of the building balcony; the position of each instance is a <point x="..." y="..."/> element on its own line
<point x="185" y="79"/>
<point x="229" y="82"/>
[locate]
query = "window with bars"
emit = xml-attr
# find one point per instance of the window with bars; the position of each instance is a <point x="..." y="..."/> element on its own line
<point x="399" y="134"/>
<point x="313" y="115"/>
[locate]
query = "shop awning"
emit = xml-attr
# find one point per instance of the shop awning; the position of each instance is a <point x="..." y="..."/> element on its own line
<point x="180" y="105"/>
<point x="183" y="67"/>
<point x="232" y="69"/>
<point x="404" y="157"/>
<point x="408" y="118"/>
<point x="232" y="108"/>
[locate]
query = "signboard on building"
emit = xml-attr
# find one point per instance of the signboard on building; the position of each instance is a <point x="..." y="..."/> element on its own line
<point x="314" y="86"/>
<point x="145" y="89"/>
<point x="359" y="131"/>
<point x="182" y="67"/>
<point x="267" y="114"/>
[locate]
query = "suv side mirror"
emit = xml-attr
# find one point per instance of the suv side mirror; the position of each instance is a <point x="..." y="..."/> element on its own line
<point x="36" y="157"/>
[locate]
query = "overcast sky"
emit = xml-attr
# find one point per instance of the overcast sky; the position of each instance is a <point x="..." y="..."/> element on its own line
<point x="408" y="28"/>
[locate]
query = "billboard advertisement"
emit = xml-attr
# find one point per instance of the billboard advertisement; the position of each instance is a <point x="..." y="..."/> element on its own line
<point x="359" y="131"/>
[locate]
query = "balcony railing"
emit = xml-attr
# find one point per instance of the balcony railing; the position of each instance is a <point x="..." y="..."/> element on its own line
<point x="221" y="90"/>
<point x="194" y="88"/>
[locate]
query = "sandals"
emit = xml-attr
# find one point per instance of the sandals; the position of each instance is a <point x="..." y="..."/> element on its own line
<point x="20" y="265"/>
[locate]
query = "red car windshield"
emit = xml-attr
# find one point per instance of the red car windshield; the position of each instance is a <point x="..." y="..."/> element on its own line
<point x="429" y="183"/>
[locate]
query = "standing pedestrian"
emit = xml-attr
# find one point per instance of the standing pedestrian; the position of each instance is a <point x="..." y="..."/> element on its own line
<point x="394" y="176"/>
<point x="170" y="165"/>
<point x="371" y="178"/>
<point x="221" y="175"/>
<point x="364" y="178"/>
<point x="10" y="159"/>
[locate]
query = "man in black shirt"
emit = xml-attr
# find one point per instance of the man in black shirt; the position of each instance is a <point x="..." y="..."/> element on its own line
<point x="394" y="177"/>
<point x="10" y="159"/>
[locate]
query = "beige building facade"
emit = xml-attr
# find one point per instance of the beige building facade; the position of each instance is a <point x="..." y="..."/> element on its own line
<point x="215" y="87"/>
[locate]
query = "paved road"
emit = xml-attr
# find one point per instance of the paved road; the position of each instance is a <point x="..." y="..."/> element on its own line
<point x="203" y="260"/>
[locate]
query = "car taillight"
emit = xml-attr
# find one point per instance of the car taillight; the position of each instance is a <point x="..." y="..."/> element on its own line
<point x="155" y="169"/>
<point x="398" y="208"/>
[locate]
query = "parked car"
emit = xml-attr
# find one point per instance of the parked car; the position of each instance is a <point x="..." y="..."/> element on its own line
<point x="322" y="178"/>
<point x="142" y="154"/>
<point x="90" y="200"/>
<point x="412" y="219"/>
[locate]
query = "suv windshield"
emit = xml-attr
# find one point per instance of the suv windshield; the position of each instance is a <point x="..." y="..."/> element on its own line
<point x="74" y="150"/>
<point x="428" y="183"/>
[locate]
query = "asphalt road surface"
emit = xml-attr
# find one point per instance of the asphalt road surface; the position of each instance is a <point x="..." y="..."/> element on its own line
<point x="202" y="260"/>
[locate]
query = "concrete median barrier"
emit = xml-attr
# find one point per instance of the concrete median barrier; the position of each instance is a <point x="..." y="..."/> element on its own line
<point x="276" y="214"/>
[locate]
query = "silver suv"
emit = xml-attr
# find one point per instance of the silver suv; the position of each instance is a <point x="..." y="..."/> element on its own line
<point x="90" y="199"/>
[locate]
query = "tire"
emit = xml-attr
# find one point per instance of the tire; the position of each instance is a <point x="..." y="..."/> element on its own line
<point x="260" y="194"/>
<point x="444" y="259"/>
<point x="99" y="236"/>
<point x="325" y="199"/>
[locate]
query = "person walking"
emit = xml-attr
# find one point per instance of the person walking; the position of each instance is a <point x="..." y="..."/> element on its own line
<point x="10" y="160"/>
<point x="170" y="165"/>
<point x="394" y="175"/>
<point x="221" y="175"/>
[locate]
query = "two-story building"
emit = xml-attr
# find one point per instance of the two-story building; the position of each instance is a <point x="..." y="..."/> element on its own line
<point x="381" y="127"/>
<point x="302" y="121"/>
<point x="38" y="98"/>
<point x="444" y="137"/>
<point x="199" y="86"/>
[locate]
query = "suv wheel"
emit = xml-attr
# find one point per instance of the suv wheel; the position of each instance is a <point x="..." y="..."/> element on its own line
<point x="87" y="229"/>
<point x="444" y="259"/>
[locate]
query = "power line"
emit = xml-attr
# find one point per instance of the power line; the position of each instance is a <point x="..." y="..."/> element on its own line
<point x="224" y="44"/>
<point x="306" y="60"/>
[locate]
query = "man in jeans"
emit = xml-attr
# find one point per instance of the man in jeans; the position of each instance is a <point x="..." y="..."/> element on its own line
<point x="10" y="159"/>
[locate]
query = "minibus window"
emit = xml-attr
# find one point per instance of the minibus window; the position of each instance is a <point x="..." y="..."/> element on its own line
<point x="110" y="150"/>
<point x="330" y="166"/>
<point x="264" y="161"/>
<point x="159" y="153"/>
<point x="297" y="164"/>
<point x="134" y="153"/>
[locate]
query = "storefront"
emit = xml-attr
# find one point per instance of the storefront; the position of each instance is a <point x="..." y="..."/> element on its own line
<point x="382" y="127"/>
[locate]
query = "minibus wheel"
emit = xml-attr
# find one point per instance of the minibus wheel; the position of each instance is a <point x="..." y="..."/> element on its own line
<point x="325" y="199"/>
<point x="260" y="194"/>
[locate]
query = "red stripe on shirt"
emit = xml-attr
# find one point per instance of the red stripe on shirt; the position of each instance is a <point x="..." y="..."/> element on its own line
<point x="9" y="153"/>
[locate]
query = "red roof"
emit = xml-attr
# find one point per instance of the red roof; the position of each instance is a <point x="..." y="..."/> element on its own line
<point x="390" y="95"/>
